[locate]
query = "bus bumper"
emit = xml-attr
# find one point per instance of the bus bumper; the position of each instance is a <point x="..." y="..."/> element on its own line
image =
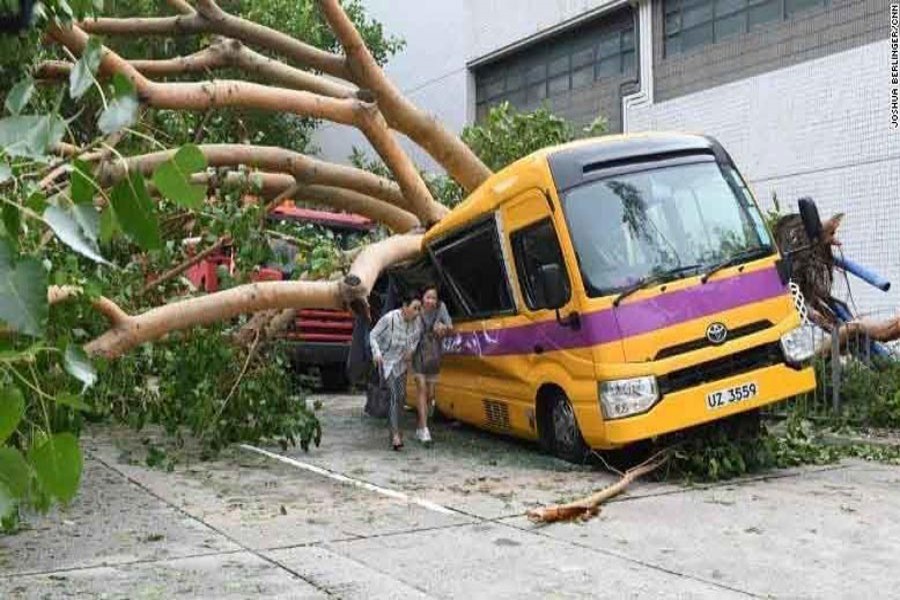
<point x="689" y="407"/>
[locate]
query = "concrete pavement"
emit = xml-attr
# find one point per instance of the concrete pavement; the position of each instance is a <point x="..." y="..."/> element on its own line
<point x="247" y="525"/>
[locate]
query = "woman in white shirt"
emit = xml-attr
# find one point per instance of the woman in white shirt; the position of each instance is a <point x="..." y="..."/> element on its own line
<point x="393" y="340"/>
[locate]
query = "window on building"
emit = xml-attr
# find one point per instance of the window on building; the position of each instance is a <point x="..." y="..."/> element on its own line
<point x="692" y="24"/>
<point x="533" y="247"/>
<point x="559" y="65"/>
<point x="472" y="266"/>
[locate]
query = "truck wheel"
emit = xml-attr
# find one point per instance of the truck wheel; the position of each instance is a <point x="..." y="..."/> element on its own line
<point x="334" y="378"/>
<point x="564" y="437"/>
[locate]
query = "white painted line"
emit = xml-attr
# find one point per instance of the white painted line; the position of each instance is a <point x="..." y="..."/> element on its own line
<point x="350" y="481"/>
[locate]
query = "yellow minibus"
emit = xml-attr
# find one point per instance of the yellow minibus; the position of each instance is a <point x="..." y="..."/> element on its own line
<point x="613" y="290"/>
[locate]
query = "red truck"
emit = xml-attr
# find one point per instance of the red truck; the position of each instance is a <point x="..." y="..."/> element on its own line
<point x="317" y="338"/>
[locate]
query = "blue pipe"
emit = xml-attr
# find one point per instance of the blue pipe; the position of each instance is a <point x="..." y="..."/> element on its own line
<point x="870" y="277"/>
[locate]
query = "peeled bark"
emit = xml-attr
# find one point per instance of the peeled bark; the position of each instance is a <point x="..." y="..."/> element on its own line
<point x="131" y="331"/>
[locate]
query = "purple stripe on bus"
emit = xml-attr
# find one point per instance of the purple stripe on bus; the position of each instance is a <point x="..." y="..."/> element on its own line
<point x="628" y="320"/>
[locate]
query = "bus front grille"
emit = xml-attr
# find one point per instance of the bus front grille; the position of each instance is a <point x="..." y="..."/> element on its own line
<point x="701" y="343"/>
<point x="720" y="368"/>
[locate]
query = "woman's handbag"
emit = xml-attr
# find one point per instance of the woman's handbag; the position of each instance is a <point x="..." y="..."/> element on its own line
<point x="378" y="396"/>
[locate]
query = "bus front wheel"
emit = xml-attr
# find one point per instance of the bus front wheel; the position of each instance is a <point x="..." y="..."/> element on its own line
<point x="560" y="434"/>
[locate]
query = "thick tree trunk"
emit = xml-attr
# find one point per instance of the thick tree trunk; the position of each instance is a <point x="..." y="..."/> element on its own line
<point x="130" y="331"/>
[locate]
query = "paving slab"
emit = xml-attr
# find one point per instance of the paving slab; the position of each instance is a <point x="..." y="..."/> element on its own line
<point x="476" y="472"/>
<point x="220" y="577"/>
<point x="822" y="534"/>
<point x="111" y="521"/>
<point x="345" y="577"/>
<point x="490" y="560"/>
<point x="262" y="503"/>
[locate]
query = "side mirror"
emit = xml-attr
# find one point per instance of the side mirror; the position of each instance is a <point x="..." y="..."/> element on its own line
<point x="554" y="286"/>
<point x="809" y="214"/>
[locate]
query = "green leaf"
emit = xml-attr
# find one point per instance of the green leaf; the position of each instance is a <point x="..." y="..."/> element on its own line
<point x="122" y="86"/>
<point x="83" y="184"/>
<point x="77" y="228"/>
<point x="122" y="109"/>
<point x="8" y="504"/>
<point x="30" y="136"/>
<point x="121" y="113"/>
<point x="72" y="401"/>
<point x="12" y="220"/>
<point x="173" y="177"/>
<point x="79" y="366"/>
<point x="14" y="472"/>
<point x="37" y="201"/>
<point x="81" y="77"/>
<point x="57" y="464"/>
<point x="19" y="95"/>
<point x="12" y="409"/>
<point x="23" y="292"/>
<point x="135" y="211"/>
<point x="109" y="227"/>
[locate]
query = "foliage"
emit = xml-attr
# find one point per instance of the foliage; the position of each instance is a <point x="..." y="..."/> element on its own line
<point x="723" y="451"/>
<point x="112" y="239"/>
<point x="507" y="135"/>
<point x="195" y="382"/>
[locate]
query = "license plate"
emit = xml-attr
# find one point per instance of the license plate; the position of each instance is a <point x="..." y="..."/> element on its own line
<point x="732" y="395"/>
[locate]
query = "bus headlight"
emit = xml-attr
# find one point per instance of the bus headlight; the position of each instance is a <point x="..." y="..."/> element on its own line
<point x="627" y="397"/>
<point x="799" y="345"/>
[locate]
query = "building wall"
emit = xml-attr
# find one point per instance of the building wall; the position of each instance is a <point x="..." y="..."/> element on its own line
<point x="820" y="128"/>
<point x="809" y="34"/>
<point x="580" y="73"/>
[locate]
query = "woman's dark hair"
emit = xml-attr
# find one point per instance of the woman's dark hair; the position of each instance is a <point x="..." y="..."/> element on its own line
<point x="408" y="296"/>
<point x="430" y="286"/>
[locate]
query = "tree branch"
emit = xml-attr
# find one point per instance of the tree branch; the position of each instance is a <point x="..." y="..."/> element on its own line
<point x="304" y="169"/>
<point x="184" y="266"/>
<point x="202" y="96"/>
<point x="427" y="131"/>
<point x="273" y="184"/>
<point x="209" y="18"/>
<point x="255" y="297"/>
<point x="222" y="53"/>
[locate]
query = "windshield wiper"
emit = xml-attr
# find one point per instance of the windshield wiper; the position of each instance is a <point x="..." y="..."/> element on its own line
<point x="735" y="259"/>
<point x="654" y="278"/>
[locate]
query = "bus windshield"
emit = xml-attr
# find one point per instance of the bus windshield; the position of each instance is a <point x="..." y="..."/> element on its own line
<point x="675" y="219"/>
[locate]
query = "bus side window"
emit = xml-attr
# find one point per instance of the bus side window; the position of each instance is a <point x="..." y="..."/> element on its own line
<point x="472" y="266"/>
<point x="533" y="247"/>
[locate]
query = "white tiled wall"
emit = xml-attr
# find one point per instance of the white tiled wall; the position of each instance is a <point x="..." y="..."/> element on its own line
<point x="821" y="129"/>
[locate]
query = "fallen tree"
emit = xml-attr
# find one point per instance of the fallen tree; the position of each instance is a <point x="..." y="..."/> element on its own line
<point x="102" y="176"/>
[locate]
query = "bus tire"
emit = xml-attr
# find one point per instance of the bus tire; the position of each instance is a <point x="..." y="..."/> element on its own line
<point x="563" y="437"/>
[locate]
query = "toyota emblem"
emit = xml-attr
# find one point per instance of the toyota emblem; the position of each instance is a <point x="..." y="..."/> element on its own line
<point x="716" y="333"/>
